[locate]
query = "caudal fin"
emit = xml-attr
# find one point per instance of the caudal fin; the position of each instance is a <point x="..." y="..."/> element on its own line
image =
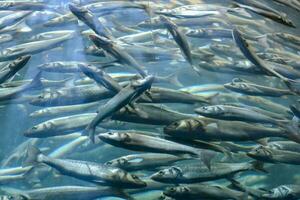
<point x="206" y="157"/>
<point x="31" y="157"/>
<point x="36" y="82"/>
<point x="173" y="79"/>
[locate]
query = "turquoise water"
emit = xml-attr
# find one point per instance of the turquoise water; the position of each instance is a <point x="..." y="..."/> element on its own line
<point x="159" y="55"/>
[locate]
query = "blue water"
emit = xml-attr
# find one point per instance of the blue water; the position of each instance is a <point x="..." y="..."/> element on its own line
<point x="15" y="119"/>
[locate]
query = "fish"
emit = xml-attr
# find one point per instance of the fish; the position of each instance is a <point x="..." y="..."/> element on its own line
<point x="59" y="111"/>
<point x="256" y="90"/>
<point x="144" y="161"/>
<point x="155" y="114"/>
<point x="219" y="130"/>
<point x="84" y="15"/>
<point x="60" y="126"/>
<point x="13" y="18"/>
<point x="89" y="171"/>
<point x="9" y="94"/>
<point x="66" y="192"/>
<point x="12" y="68"/>
<point x="101" y="77"/>
<point x="141" y="142"/>
<point x="126" y="96"/>
<point x="271" y="155"/>
<point x="179" y="37"/>
<point x="227" y="112"/>
<point x="195" y="173"/>
<point x="32" y="47"/>
<point x="23" y="6"/>
<point x="45" y="82"/>
<point x="209" y="33"/>
<point x="248" y="52"/>
<point x="283" y="192"/>
<point x="260" y="9"/>
<point x="291" y="3"/>
<point x="114" y="50"/>
<point x="194" y="191"/>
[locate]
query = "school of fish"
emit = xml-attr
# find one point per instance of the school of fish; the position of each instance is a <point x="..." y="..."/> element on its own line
<point x="150" y="100"/>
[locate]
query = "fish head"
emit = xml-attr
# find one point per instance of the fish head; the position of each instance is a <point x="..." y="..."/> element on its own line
<point x="184" y="127"/>
<point x="281" y="192"/>
<point x="260" y="152"/>
<point x="192" y="32"/>
<point x="210" y="110"/>
<point x="77" y="10"/>
<point x="41" y="112"/>
<point x="167" y="22"/>
<point x="237" y="84"/>
<point x="142" y="84"/>
<point x="127" y="179"/>
<point x="13" y="197"/>
<point x="119" y="162"/>
<point x="166" y="175"/>
<point x="101" y="42"/>
<point x="44" y="98"/>
<point x="42" y="128"/>
<point x="19" y="62"/>
<point x="177" y="191"/>
<point x="115" y="137"/>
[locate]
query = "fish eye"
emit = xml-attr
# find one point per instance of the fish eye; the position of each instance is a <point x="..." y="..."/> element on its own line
<point x="109" y="163"/>
<point x="176" y="123"/>
<point x="134" y="176"/>
<point x="185" y="189"/>
<point x="161" y="173"/>
<point x="204" y="108"/>
<point x="110" y="133"/>
<point x="34" y="127"/>
<point x="172" y="189"/>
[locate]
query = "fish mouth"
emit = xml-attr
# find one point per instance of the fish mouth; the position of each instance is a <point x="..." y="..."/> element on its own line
<point x="167" y="130"/>
<point x="142" y="184"/>
<point x="154" y="177"/>
<point x="250" y="154"/>
<point x="227" y="85"/>
<point x="33" y="114"/>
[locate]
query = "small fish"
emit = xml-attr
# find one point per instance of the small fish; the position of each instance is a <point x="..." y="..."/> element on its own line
<point x="227" y="112"/>
<point x="283" y="192"/>
<point x="141" y="142"/>
<point x="271" y="155"/>
<point x="209" y="33"/>
<point x="89" y="171"/>
<point x="126" y="96"/>
<point x="179" y="37"/>
<point x="84" y="15"/>
<point x="64" y="192"/>
<point x="219" y="130"/>
<point x="145" y="161"/>
<point x="113" y="49"/>
<point x="12" y="68"/>
<point x="249" y="88"/>
<point x="32" y="47"/>
<point x="204" y="191"/>
<point x="195" y="173"/>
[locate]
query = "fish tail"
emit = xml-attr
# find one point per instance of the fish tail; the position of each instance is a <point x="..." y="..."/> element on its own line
<point x="121" y="193"/>
<point x="36" y="82"/>
<point x="90" y="131"/>
<point x="173" y="79"/>
<point x="206" y="157"/>
<point x="32" y="156"/>
<point x="258" y="166"/>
